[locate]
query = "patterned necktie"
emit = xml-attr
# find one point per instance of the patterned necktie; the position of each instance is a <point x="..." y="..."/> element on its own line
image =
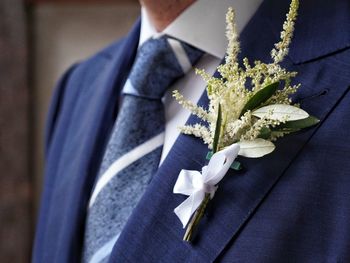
<point x="134" y="149"/>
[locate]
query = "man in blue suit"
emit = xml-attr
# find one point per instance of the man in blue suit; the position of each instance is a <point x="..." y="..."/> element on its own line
<point x="290" y="206"/>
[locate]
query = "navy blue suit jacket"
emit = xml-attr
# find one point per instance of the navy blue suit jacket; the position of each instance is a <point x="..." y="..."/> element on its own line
<point x="290" y="206"/>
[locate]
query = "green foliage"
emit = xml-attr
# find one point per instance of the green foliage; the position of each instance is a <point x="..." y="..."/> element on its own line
<point x="217" y="131"/>
<point x="260" y="97"/>
<point x="265" y="133"/>
<point x="297" y="125"/>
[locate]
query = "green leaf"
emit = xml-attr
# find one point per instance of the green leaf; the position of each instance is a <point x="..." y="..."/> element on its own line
<point x="280" y="111"/>
<point x="265" y="133"/>
<point x="256" y="148"/>
<point x="260" y="97"/>
<point x="217" y="131"/>
<point x="237" y="166"/>
<point x="298" y="124"/>
<point x="209" y="155"/>
<point x="278" y="134"/>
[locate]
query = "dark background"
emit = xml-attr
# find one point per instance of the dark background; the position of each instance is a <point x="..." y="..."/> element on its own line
<point x="29" y="65"/>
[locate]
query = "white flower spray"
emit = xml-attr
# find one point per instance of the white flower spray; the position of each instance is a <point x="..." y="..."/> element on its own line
<point x="250" y="104"/>
<point x="237" y="85"/>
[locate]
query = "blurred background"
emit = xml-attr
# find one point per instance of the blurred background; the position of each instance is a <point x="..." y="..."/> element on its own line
<point x="39" y="39"/>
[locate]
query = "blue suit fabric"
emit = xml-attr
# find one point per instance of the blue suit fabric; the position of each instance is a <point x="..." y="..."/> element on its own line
<point x="290" y="206"/>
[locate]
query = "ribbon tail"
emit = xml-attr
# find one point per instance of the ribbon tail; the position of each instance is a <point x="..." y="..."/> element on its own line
<point x="186" y="209"/>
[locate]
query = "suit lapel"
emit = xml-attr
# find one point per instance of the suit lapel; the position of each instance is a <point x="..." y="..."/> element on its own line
<point x="320" y="30"/>
<point x="86" y="116"/>
<point x="153" y="232"/>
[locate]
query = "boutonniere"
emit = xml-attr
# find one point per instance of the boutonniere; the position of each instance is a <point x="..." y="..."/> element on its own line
<point x="249" y="108"/>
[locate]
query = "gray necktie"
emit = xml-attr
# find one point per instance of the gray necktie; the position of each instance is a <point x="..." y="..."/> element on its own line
<point x="134" y="149"/>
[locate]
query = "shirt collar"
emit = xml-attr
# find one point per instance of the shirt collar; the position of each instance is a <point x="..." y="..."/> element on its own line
<point x="203" y="25"/>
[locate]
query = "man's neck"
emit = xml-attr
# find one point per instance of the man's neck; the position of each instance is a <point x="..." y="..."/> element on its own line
<point x="162" y="13"/>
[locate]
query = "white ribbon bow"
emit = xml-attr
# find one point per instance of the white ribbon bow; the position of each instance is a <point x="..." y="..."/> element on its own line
<point x="196" y="184"/>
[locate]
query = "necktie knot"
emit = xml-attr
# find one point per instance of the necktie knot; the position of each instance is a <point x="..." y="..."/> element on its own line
<point x="159" y="63"/>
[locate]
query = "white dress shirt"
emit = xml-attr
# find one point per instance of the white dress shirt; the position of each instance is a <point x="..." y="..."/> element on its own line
<point x="201" y="25"/>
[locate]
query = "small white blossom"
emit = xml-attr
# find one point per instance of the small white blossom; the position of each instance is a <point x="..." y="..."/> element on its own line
<point x="238" y="85"/>
<point x="193" y="108"/>
<point x="232" y="36"/>
<point x="198" y="131"/>
<point x="281" y="48"/>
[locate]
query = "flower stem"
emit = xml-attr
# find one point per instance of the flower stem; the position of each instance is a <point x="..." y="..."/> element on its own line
<point x="192" y="225"/>
<point x="196" y="218"/>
